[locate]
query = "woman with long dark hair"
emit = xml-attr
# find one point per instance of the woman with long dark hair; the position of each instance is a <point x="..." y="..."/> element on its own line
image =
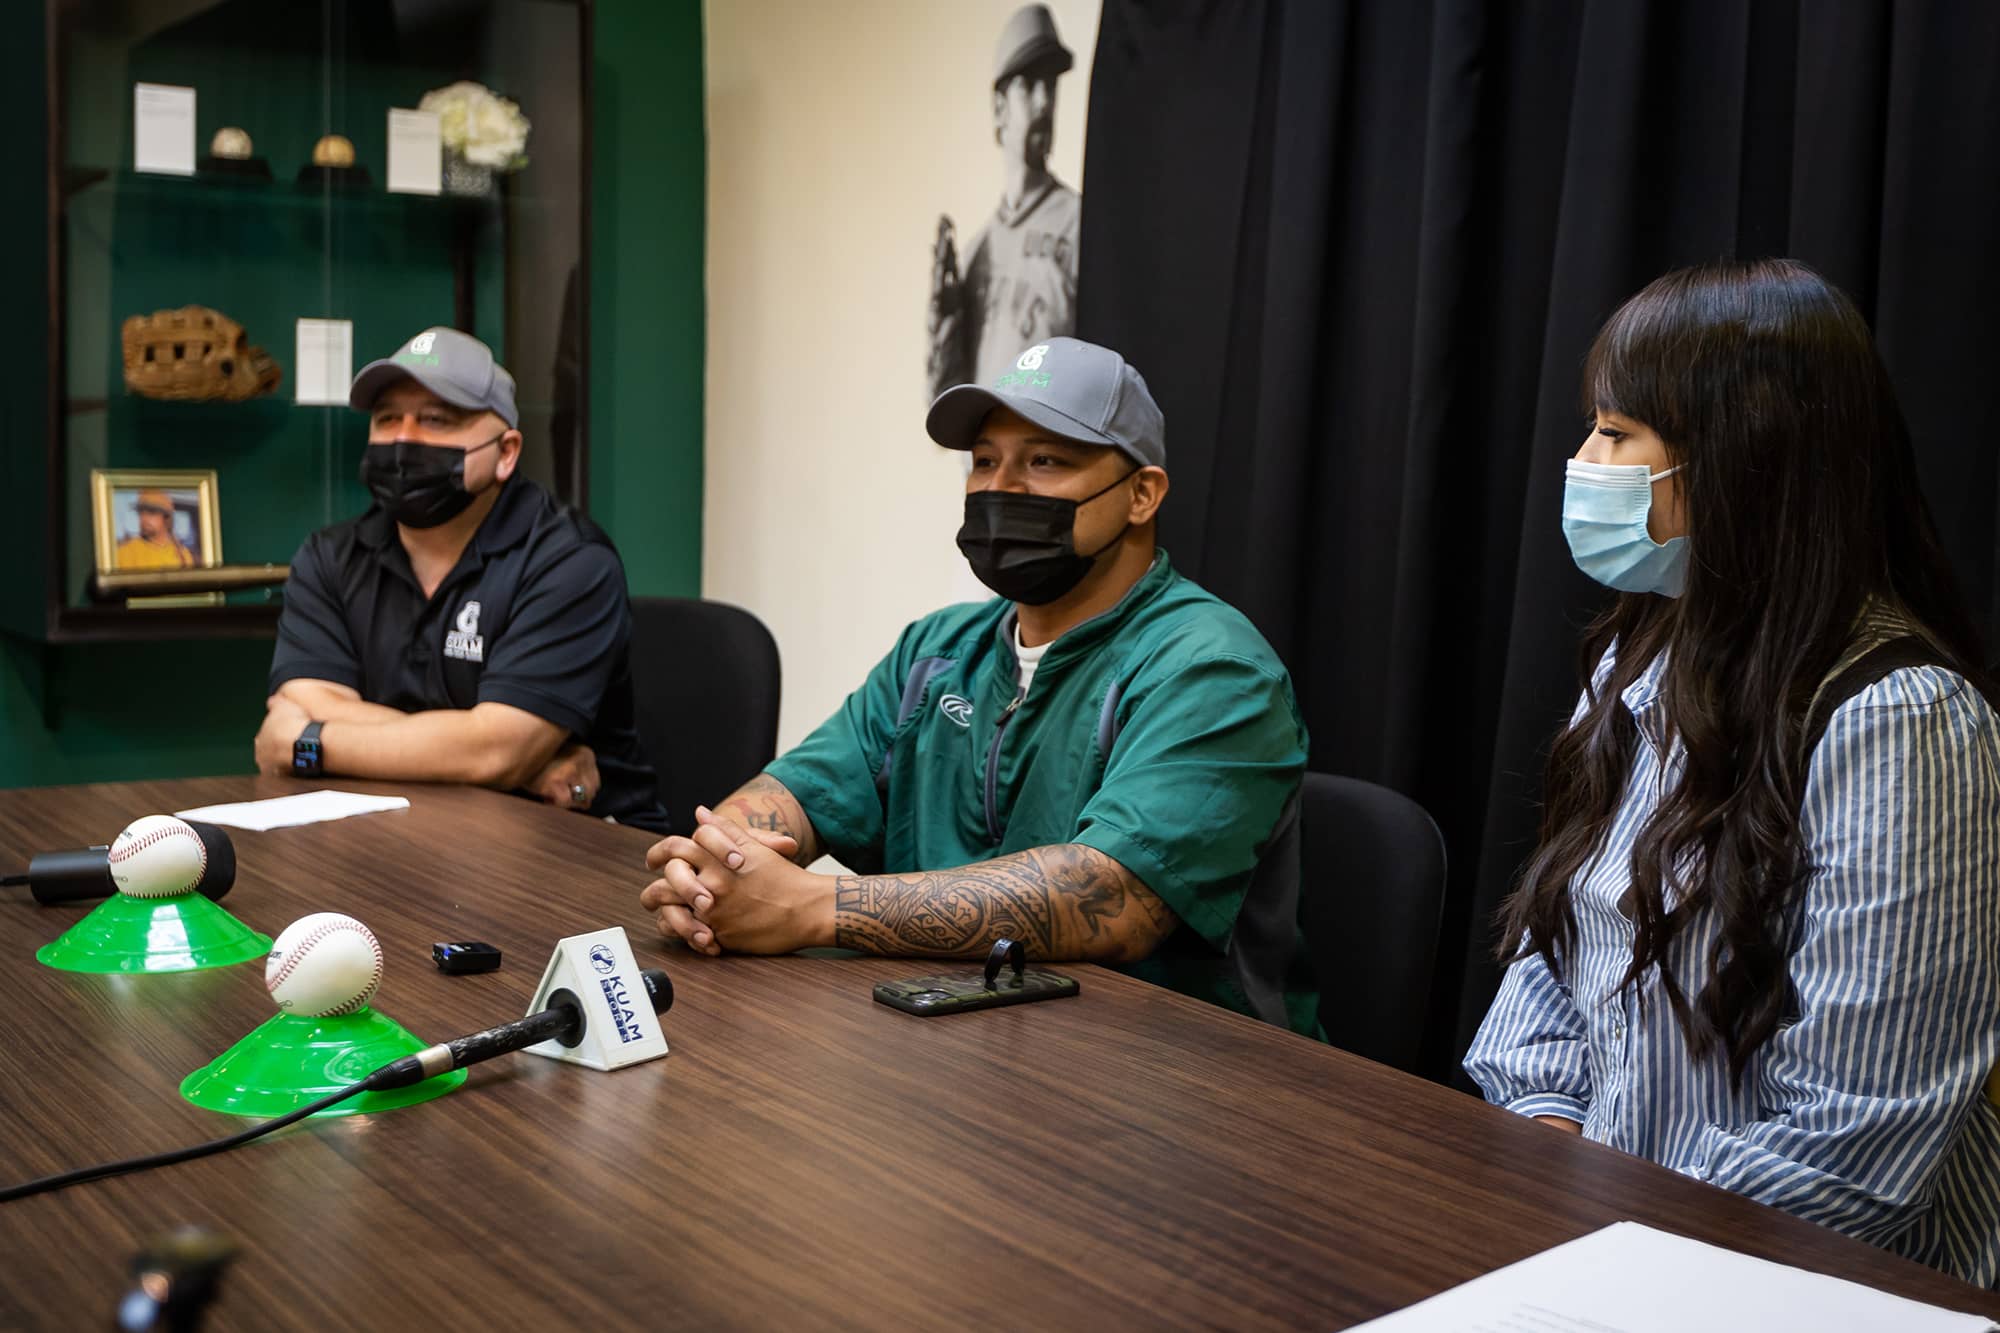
<point x="1759" y="939"/>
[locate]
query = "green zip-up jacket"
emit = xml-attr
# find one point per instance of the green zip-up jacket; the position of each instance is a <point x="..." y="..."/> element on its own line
<point x="1163" y="733"/>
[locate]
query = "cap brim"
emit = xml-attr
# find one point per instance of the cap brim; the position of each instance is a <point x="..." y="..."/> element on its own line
<point x="379" y="375"/>
<point x="955" y="417"/>
<point x="1048" y="53"/>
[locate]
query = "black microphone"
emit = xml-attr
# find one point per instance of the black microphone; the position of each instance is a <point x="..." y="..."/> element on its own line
<point x="174" y="1279"/>
<point x="563" y="1020"/>
<point x="71" y="876"/>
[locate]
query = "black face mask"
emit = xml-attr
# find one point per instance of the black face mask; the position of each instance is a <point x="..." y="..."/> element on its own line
<point x="419" y="485"/>
<point x="1024" y="546"/>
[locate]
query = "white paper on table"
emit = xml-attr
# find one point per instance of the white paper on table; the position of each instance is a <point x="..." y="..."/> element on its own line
<point x="325" y="361"/>
<point x="163" y="128"/>
<point x="312" y="807"/>
<point x="416" y="152"/>
<point x="1630" y="1278"/>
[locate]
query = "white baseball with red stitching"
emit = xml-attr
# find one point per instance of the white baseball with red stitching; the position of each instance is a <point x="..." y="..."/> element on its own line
<point x="157" y="857"/>
<point x="323" y="965"/>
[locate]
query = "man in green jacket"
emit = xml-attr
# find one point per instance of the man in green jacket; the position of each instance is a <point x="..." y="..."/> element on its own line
<point x="1103" y="762"/>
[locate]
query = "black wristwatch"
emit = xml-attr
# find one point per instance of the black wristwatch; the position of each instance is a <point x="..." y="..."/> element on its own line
<point x="306" y="753"/>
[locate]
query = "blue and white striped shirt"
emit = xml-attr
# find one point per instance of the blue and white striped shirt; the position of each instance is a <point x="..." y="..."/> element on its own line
<point x="1866" y="1114"/>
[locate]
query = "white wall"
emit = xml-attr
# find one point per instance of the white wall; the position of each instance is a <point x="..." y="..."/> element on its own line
<point x="837" y="132"/>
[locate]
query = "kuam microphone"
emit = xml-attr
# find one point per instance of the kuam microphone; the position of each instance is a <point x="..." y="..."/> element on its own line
<point x="564" y="1021"/>
<point x="85" y="872"/>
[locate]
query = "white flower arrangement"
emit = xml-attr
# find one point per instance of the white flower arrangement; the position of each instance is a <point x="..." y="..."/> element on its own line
<point x="479" y="125"/>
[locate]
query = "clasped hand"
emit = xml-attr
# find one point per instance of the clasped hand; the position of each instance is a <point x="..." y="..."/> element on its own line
<point x="736" y="888"/>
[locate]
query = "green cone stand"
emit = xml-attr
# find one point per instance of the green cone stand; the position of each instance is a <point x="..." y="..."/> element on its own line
<point x="292" y="1059"/>
<point x="178" y="934"/>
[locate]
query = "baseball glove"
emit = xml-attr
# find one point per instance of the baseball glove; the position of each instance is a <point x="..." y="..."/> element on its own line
<point x="194" y="353"/>
<point x="946" y="324"/>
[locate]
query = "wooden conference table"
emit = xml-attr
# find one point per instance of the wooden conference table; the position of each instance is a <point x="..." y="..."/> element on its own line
<point x="805" y="1157"/>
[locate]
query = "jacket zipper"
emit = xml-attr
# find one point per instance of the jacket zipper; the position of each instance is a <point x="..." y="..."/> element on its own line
<point x="993" y="768"/>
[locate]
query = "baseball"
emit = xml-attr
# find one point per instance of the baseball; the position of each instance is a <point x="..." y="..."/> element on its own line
<point x="157" y="857"/>
<point x="333" y="150"/>
<point x="231" y="143"/>
<point x="323" y="965"/>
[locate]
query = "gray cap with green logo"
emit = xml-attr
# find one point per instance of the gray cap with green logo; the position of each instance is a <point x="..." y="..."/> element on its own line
<point x="455" y="366"/>
<point x="1074" y="389"/>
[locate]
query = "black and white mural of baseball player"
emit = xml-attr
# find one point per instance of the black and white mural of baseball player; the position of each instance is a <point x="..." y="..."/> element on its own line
<point x="1018" y="284"/>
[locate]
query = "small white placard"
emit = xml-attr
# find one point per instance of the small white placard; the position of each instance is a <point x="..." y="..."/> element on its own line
<point x="325" y="361"/>
<point x="1629" y="1278"/>
<point x="163" y="129"/>
<point x="416" y="152"/>
<point x="308" y="807"/>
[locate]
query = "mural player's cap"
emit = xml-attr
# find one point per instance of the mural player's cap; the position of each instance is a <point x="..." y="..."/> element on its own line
<point x="1077" y="390"/>
<point x="455" y="366"/>
<point x="1027" y="42"/>
<point x="154" y="499"/>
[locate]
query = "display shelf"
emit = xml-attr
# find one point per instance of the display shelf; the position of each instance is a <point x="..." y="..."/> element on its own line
<point x="117" y="624"/>
<point x="237" y="193"/>
<point x="267" y="250"/>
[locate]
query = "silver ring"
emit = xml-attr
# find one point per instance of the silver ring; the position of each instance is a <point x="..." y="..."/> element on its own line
<point x="577" y="793"/>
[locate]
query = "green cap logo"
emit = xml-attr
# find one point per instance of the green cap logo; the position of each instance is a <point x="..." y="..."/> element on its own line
<point x="1027" y="370"/>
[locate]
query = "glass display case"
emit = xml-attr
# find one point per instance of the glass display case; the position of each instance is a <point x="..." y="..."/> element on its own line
<point x="247" y="202"/>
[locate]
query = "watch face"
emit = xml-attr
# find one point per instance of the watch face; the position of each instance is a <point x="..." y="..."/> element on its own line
<point x="305" y="757"/>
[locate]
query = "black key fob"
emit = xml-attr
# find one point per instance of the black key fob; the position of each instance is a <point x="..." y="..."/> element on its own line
<point x="470" y="956"/>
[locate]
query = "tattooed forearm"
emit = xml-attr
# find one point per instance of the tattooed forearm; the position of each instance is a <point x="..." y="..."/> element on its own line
<point x="764" y="803"/>
<point x="1063" y="902"/>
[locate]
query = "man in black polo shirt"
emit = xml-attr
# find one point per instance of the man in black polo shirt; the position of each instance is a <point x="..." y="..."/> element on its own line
<point x="466" y="628"/>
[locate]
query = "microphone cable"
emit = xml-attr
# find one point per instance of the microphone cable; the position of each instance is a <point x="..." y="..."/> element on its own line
<point x="62" y="1179"/>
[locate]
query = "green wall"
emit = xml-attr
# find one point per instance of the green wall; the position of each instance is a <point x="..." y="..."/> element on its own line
<point x="646" y="317"/>
<point x="91" y="713"/>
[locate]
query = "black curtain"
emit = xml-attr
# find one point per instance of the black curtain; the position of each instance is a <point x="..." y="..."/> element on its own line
<point x="1359" y="251"/>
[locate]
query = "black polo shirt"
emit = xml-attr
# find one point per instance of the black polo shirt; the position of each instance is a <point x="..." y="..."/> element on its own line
<point x="534" y="615"/>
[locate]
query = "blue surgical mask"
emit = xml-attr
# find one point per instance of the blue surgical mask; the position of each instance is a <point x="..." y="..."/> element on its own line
<point x="1604" y="517"/>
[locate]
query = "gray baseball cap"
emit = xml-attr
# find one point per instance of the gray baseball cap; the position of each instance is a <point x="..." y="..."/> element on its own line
<point x="1070" y="388"/>
<point x="455" y="366"/>
<point x="1029" y="40"/>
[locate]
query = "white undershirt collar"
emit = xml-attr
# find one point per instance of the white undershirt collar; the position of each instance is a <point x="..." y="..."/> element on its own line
<point x="1026" y="659"/>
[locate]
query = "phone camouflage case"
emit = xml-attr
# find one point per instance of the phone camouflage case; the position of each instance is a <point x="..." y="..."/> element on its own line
<point x="958" y="992"/>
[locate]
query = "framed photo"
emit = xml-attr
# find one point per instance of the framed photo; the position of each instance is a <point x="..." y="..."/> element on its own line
<point x="155" y="519"/>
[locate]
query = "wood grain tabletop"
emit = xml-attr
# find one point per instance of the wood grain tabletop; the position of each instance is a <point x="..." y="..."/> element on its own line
<point x="804" y="1158"/>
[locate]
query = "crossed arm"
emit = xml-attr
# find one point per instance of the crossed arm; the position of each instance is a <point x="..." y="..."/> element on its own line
<point x="487" y="745"/>
<point x="738" y="883"/>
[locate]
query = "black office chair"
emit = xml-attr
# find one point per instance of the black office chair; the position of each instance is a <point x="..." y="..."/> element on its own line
<point x="1371" y="893"/>
<point x="705" y="686"/>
